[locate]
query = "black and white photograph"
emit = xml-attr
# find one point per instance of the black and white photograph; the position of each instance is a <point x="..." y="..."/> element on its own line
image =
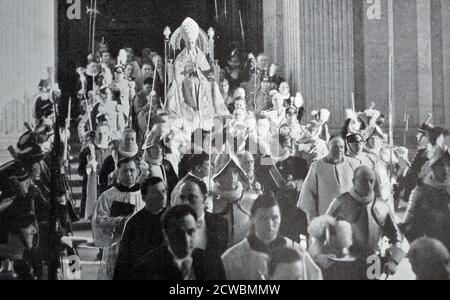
<point x="219" y="141"/>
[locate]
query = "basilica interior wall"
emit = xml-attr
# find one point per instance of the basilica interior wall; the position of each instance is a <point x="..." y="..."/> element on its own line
<point x="331" y="49"/>
<point x="318" y="51"/>
<point x="27" y="49"/>
<point x="328" y="49"/>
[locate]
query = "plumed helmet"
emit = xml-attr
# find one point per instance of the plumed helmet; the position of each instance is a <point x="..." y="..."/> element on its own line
<point x="350" y="114"/>
<point x="435" y="132"/>
<point x="323" y="115"/>
<point x="122" y="58"/>
<point x="373" y="130"/>
<point x="223" y="161"/>
<point x="438" y="154"/>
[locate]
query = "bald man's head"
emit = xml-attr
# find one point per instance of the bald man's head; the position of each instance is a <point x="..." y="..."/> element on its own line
<point x="364" y="180"/>
<point x="430" y="259"/>
<point x="336" y="146"/>
<point x="362" y="171"/>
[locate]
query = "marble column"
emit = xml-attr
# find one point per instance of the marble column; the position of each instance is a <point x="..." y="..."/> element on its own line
<point x="273" y="30"/>
<point x="445" y="38"/>
<point x="317" y="52"/>
<point x="425" y="74"/>
<point x="320" y="39"/>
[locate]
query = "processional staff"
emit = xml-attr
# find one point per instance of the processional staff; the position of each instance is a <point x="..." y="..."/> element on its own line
<point x="56" y="189"/>
<point x="210" y="158"/>
<point x="152" y="94"/>
<point x="89" y="12"/>
<point x="405" y="135"/>
<point x="66" y="135"/>
<point x="242" y="26"/>
<point x="353" y="102"/>
<point x="217" y="11"/>
<point x="211" y="46"/>
<point x="256" y="84"/>
<point x="225" y="9"/>
<point x="150" y="99"/>
<point x="212" y="56"/>
<point x="92" y="11"/>
<point x="93" y="14"/>
<point x="430" y="116"/>
<point x="167" y="32"/>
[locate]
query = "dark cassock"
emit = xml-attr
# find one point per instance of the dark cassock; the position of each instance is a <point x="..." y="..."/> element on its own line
<point x="143" y="233"/>
<point x="214" y="234"/>
<point x="110" y="163"/>
<point x="160" y="264"/>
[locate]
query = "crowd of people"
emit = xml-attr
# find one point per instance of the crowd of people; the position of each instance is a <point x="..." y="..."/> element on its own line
<point x="196" y="172"/>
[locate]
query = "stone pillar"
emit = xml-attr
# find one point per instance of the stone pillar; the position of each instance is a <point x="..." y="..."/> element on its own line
<point x="320" y="38"/>
<point x="445" y="17"/>
<point x="425" y="74"/>
<point x="406" y="62"/>
<point x="270" y="28"/>
<point x="318" y="51"/>
<point x="273" y="30"/>
<point x="292" y="36"/>
<point x="406" y="69"/>
<point x="376" y="61"/>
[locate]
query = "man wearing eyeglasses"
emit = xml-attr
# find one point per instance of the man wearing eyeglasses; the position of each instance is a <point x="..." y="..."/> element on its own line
<point x="355" y="149"/>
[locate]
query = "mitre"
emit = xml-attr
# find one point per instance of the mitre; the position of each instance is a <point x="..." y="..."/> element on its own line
<point x="190" y="29"/>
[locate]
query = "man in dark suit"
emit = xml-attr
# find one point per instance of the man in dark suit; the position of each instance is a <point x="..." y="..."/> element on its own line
<point x="143" y="232"/>
<point x="212" y="229"/>
<point x="178" y="259"/>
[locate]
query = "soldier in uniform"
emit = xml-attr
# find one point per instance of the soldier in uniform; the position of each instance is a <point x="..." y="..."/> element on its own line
<point x="26" y="203"/>
<point x="428" y="213"/>
<point x="14" y="250"/>
<point x="427" y="139"/>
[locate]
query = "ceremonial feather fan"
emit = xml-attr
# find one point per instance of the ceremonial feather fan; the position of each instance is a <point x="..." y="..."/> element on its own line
<point x="122" y="58"/>
<point x="298" y="100"/>
<point x="179" y="35"/>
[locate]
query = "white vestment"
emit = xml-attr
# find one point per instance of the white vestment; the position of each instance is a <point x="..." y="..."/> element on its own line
<point x="195" y="98"/>
<point x="325" y="181"/>
<point x="241" y="262"/>
<point x="105" y="236"/>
